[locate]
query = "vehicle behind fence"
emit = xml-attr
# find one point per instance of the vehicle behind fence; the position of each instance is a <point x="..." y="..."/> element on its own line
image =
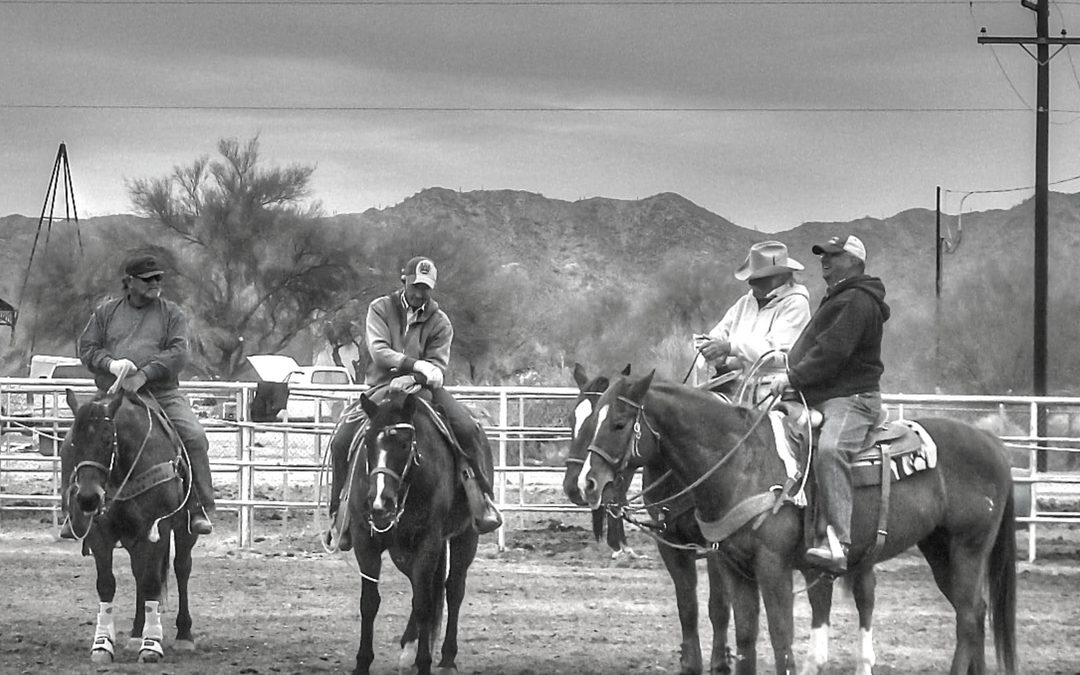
<point x="279" y="466"/>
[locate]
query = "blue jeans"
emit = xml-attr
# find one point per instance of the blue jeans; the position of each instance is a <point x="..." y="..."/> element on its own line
<point x="847" y="422"/>
<point x="177" y="408"/>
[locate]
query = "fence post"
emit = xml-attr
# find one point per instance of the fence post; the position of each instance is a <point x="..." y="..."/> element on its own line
<point x="504" y="414"/>
<point x="244" y="484"/>
<point x="1033" y="431"/>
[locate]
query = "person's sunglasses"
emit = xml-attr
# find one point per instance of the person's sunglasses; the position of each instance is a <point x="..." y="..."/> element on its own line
<point x="156" y="277"/>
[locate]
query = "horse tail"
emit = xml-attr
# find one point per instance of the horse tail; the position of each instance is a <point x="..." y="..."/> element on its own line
<point x="1003" y="589"/>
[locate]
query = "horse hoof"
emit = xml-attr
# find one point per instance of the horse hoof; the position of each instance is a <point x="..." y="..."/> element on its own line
<point x="151" y="651"/>
<point x="133" y="643"/>
<point x="101" y="656"/>
<point x="447" y="670"/>
<point x="184" y="645"/>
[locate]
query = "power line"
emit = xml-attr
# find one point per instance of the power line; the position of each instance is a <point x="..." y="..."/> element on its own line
<point x="519" y="109"/>
<point x="525" y="3"/>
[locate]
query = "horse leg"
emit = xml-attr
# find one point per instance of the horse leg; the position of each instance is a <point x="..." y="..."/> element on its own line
<point x="149" y="583"/>
<point x="721" y="657"/>
<point x="747" y="607"/>
<point x="462" y="553"/>
<point x="819" y="591"/>
<point x="774" y="580"/>
<point x="423" y="575"/>
<point x="968" y="576"/>
<point x="369" y="558"/>
<point x="682" y="568"/>
<point x="863" y="584"/>
<point x="182" y="568"/>
<point x="101" y="650"/>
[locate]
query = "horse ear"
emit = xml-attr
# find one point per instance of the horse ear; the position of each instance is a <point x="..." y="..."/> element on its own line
<point x="579" y="375"/>
<point x="626" y="370"/>
<point x="114" y="405"/>
<point x="72" y="402"/>
<point x="638" y="389"/>
<point x="369" y="406"/>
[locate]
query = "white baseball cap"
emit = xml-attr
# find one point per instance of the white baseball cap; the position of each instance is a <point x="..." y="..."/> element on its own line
<point x="420" y="270"/>
<point x="848" y="244"/>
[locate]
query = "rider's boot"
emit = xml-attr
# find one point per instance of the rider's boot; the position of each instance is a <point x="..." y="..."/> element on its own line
<point x="831" y="554"/>
<point x="198" y="521"/>
<point x="486" y="516"/>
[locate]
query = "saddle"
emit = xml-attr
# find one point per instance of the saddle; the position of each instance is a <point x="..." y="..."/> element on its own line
<point x="892" y="451"/>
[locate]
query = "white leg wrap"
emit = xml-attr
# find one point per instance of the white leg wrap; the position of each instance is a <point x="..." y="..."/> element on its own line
<point x="105" y="625"/>
<point x="152" y="626"/>
<point x="819" y="651"/>
<point x="867" y="658"/>
<point x="104" y="635"/>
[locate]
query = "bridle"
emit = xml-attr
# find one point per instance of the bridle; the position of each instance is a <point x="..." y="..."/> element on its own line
<point x="153" y="476"/>
<point x="401" y="479"/>
<point x="635" y="440"/>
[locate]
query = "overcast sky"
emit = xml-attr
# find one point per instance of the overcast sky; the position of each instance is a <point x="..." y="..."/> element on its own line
<point x="767" y="113"/>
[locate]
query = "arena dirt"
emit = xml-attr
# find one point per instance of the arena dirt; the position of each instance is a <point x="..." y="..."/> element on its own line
<point x="552" y="602"/>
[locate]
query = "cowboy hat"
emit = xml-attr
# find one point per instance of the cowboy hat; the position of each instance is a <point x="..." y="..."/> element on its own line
<point x="766" y="258"/>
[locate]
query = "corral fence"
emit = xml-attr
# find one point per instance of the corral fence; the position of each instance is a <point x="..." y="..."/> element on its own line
<point x="280" y="465"/>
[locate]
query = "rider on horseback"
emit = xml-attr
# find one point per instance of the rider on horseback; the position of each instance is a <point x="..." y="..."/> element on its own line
<point x="836" y="365"/>
<point x="767" y="318"/>
<point x="140" y="342"/>
<point x="408" y="334"/>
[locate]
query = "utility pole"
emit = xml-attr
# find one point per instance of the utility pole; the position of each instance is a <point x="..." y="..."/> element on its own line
<point x="1042" y="56"/>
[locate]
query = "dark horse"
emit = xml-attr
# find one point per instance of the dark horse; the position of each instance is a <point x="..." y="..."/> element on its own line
<point x="408" y="500"/>
<point x="959" y="514"/>
<point x="128" y="486"/>
<point x="679" y="542"/>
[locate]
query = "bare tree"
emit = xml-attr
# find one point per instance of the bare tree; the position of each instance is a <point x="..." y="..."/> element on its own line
<point x="259" y="266"/>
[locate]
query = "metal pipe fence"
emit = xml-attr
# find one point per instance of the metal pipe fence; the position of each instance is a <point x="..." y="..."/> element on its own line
<point x="279" y="465"/>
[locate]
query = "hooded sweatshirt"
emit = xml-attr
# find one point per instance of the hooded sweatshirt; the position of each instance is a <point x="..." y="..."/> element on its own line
<point x="839" y="351"/>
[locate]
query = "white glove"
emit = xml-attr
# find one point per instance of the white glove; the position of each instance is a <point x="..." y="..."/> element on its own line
<point x="780" y="385"/>
<point x="121" y="368"/>
<point x="431" y="372"/>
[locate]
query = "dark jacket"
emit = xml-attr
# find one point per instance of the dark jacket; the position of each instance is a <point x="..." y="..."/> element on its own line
<point x="839" y="351"/>
<point x="395" y="346"/>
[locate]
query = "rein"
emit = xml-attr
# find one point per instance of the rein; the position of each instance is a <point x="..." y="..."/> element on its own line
<point x="701" y="479"/>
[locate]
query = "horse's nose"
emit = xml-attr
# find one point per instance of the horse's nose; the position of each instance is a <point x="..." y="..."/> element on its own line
<point x="89" y="501"/>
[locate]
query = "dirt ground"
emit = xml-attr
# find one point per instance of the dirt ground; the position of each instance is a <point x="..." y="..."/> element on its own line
<point x="552" y="602"/>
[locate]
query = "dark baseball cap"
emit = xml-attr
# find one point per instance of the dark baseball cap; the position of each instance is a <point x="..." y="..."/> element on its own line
<point x="143" y="266"/>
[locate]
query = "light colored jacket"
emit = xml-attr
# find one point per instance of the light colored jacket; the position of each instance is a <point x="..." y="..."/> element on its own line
<point x="753" y="332"/>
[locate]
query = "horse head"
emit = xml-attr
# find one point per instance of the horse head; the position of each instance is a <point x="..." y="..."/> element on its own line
<point x="391" y="451"/>
<point x="93" y="448"/>
<point x="582" y="425"/>
<point x="614" y="449"/>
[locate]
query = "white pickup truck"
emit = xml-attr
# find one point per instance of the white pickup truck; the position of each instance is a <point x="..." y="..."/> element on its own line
<point x="306" y="402"/>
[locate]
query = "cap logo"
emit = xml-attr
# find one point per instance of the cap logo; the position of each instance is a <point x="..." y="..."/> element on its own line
<point x="424" y="267"/>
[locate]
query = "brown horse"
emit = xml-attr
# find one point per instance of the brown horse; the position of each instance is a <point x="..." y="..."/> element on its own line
<point x="959" y="514"/>
<point x="405" y="498"/>
<point x="127" y="487"/>
<point x="679" y="540"/>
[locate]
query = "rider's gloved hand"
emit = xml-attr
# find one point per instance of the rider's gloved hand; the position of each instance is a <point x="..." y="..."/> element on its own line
<point x="121" y="368"/>
<point x="780" y="384"/>
<point x="431" y="372"/>
<point x="405" y="383"/>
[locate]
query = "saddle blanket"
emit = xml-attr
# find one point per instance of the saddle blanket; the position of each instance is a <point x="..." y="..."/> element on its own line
<point x="866" y="467"/>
